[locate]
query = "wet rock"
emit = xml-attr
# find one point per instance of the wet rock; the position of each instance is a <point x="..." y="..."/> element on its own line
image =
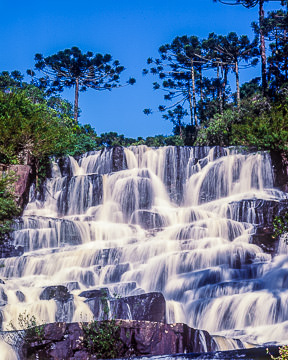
<point x="65" y="310"/>
<point x="9" y="250"/>
<point x="218" y="152"/>
<point x="263" y="237"/>
<point x="148" y="220"/>
<point x="256" y="211"/>
<point x="118" y="159"/>
<point x="148" y="307"/>
<point x="3" y="297"/>
<point x="65" y="166"/>
<point x="72" y="285"/>
<point x="77" y="190"/>
<point x="136" y="338"/>
<point x="96" y="293"/>
<point x="280" y="167"/>
<point x="20" y="296"/>
<point x="58" y="292"/>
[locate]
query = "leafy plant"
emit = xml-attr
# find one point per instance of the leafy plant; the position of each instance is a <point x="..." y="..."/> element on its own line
<point x="283" y="353"/>
<point x="32" y="330"/>
<point x="102" y="338"/>
<point x="280" y="225"/>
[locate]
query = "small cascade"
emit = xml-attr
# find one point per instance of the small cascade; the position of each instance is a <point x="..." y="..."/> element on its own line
<point x="175" y="220"/>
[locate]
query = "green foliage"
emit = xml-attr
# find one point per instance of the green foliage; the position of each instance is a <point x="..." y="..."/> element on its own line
<point x="8" y="207"/>
<point x="32" y="330"/>
<point x="262" y="124"/>
<point x="218" y="130"/>
<point x="72" y="68"/>
<point x="283" y="353"/>
<point x="280" y="225"/>
<point x="29" y="130"/>
<point x="102" y="338"/>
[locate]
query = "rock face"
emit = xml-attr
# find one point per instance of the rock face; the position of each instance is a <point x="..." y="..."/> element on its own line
<point x="149" y="307"/>
<point x="136" y="338"/>
<point x="261" y="213"/>
<point x="9" y="250"/>
<point x="280" y="166"/>
<point x="23" y="172"/>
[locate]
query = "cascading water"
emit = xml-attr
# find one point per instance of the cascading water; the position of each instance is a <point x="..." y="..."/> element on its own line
<point x="174" y="220"/>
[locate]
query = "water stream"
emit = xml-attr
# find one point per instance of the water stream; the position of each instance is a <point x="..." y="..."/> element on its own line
<point x="174" y="220"/>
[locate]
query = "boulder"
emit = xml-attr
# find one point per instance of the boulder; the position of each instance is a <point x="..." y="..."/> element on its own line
<point x="135" y="338"/>
<point x="22" y="185"/>
<point x="9" y="250"/>
<point x="58" y="292"/>
<point x="118" y="159"/>
<point x="280" y="167"/>
<point x="148" y="220"/>
<point x="148" y="307"/>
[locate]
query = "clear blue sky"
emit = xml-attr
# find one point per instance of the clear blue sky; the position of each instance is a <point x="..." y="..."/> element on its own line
<point x="131" y="31"/>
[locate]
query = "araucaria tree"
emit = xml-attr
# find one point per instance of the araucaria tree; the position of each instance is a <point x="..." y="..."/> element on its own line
<point x="72" y="68"/>
<point x="249" y="4"/>
<point x="237" y="49"/>
<point x="177" y="69"/>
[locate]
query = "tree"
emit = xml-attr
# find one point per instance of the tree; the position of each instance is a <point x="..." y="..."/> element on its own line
<point x="29" y="132"/>
<point x="250" y="4"/>
<point x="72" y="68"/>
<point x="178" y="67"/>
<point x="238" y="49"/>
<point x="275" y="30"/>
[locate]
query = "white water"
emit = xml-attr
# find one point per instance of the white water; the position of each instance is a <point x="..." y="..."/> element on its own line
<point x="91" y="228"/>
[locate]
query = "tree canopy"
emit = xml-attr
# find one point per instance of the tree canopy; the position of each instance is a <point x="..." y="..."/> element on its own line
<point x="72" y="68"/>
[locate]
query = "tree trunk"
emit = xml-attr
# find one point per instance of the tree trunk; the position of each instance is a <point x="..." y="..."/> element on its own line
<point x="219" y="90"/>
<point x="225" y="80"/>
<point x="190" y="105"/>
<point x="262" y="48"/>
<point x="76" y="101"/>
<point x="194" y="93"/>
<point x="237" y="84"/>
<point x="201" y="84"/>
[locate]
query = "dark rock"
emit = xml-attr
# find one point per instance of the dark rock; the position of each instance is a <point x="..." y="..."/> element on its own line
<point x="136" y="338"/>
<point x="97" y="301"/>
<point x="147" y="219"/>
<point x="3" y="297"/>
<point x="118" y="159"/>
<point x="65" y="166"/>
<point x="20" y="296"/>
<point x="72" y="285"/>
<point x="96" y="293"/>
<point x="280" y="166"/>
<point x="148" y="307"/>
<point x="256" y="211"/>
<point x="80" y="193"/>
<point x="218" y="152"/>
<point x="263" y="237"/>
<point x="22" y="185"/>
<point x="58" y="292"/>
<point x="9" y="250"/>
<point x="65" y="310"/>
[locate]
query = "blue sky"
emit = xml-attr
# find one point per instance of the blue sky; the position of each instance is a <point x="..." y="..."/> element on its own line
<point x="131" y="31"/>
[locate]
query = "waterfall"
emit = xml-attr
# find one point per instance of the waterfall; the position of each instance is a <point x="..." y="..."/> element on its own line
<point x="176" y="220"/>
